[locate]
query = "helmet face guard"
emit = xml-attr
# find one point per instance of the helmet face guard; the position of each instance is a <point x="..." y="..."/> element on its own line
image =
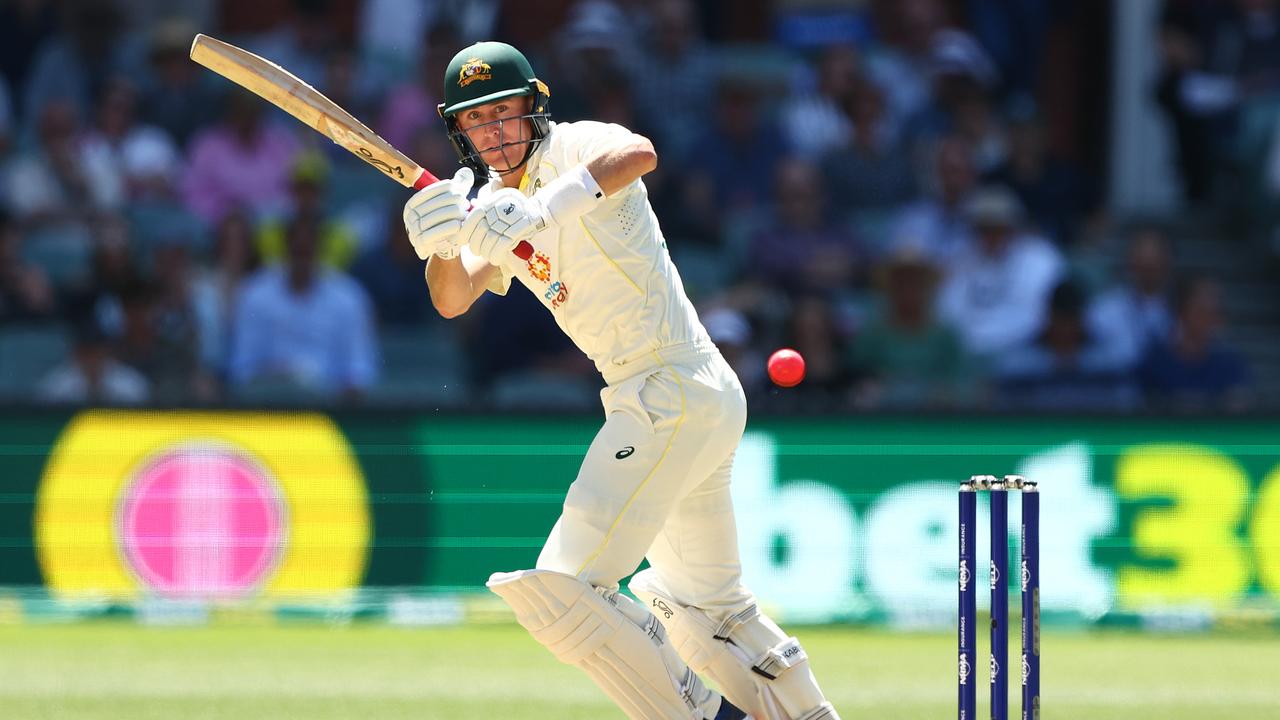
<point x="509" y="133"/>
<point x="483" y="74"/>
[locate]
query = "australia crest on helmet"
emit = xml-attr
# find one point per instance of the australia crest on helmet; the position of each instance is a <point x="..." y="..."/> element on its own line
<point x="472" y="70"/>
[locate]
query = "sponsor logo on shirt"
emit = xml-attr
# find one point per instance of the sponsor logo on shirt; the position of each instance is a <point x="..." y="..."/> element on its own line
<point x="540" y="267"/>
<point x="557" y="294"/>
<point x="472" y="70"/>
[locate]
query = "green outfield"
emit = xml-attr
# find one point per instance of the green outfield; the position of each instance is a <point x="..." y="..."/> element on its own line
<point x="108" y="671"/>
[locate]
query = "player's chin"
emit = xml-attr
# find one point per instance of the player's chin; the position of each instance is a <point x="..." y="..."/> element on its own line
<point x="494" y="158"/>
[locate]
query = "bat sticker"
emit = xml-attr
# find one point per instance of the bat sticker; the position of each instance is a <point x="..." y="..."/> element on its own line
<point x="382" y="165"/>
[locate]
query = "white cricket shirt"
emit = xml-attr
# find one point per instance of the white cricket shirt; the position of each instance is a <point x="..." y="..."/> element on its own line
<point x="607" y="277"/>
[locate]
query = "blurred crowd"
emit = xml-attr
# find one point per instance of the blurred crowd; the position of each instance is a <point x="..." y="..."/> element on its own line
<point x="908" y="192"/>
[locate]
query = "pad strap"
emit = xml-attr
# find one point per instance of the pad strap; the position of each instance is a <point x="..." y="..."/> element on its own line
<point x="780" y="659"/>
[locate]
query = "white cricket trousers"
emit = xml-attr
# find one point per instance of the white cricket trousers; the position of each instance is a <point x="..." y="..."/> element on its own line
<point x="655" y="482"/>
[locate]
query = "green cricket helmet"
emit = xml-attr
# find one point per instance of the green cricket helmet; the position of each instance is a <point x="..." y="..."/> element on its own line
<point x="484" y="73"/>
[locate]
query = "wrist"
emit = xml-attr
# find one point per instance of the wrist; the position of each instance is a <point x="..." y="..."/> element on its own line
<point x="570" y="196"/>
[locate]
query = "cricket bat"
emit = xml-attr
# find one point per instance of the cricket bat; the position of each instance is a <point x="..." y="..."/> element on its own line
<point x="289" y="93"/>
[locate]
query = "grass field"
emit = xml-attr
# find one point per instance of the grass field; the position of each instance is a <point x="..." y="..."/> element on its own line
<point x="109" y="671"/>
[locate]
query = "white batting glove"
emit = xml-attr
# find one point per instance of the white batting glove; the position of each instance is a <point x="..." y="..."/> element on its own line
<point x="434" y="215"/>
<point x="508" y="212"/>
<point x="479" y="234"/>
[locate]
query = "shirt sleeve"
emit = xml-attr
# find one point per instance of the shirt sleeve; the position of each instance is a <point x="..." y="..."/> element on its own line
<point x="589" y="138"/>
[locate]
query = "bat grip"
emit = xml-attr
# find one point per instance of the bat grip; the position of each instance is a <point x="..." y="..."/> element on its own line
<point x="523" y="250"/>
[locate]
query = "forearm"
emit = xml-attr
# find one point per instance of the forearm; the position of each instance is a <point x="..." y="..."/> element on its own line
<point x="455" y="284"/>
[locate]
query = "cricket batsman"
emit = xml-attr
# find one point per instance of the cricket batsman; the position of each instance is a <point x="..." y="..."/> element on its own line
<point x="655" y="480"/>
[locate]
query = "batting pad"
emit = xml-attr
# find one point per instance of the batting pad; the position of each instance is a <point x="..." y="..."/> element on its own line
<point x="758" y="667"/>
<point x="583" y="629"/>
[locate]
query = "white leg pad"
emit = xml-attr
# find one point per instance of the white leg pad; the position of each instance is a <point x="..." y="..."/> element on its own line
<point x="757" y="666"/>
<point x="624" y="656"/>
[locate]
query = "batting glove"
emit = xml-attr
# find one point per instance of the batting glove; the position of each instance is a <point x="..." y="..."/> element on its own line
<point x="500" y="220"/>
<point x="483" y="229"/>
<point x="508" y="212"/>
<point x="434" y="216"/>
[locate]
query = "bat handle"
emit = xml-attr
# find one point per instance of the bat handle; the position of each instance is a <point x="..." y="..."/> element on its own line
<point x="523" y="250"/>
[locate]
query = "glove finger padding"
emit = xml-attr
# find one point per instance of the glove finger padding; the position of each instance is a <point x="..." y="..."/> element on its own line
<point x="513" y="214"/>
<point x="422" y="210"/>
<point x="506" y="218"/>
<point x="434" y="215"/>
<point x="428" y="223"/>
<point x="442" y="192"/>
<point x="492" y="246"/>
<point x="437" y="234"/>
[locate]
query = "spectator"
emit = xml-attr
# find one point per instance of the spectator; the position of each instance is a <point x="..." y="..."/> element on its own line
<point x="177" y="374"/>
<point x="1214" y="56"/>
<point x="1065" y="368"/>
<point x="1015" y="34"/>
<point x="74" y="65"/>
<point x="143" y="156"/>
<point x="24" y="28"/>
<point x="56" y="187"/>
<point x="596" y="42"/>
<point x="215" y="288"/>
<point x="905" y="356"/>
<point x="177" y="96"/>
<point x="996" y="291"/>
<point x="816" y="120"/>
<point x="308" y="185"/>
<point x="97" y="298"/>
<point x="739" y="149"/>
<point x="242" y="161"/>
<point x="392" y="34"/>
<point x="609" y="99"/>
<point x="302" y="330"/>
<point x="1137" y="312"/>
<point x="1049" y="189"/>
<point x="92" y="376"/>
<point x="1194" y="369"/>
<point x="936" y="223"/>
<point x="902" y="62"/>
<point x="25" y="290"/>
<point x="346" y="84"/>
<point x="962" y="80"/>
<point x="722" y="180"/>
<point x="394" y="277"/>
<point x="873" y="171"/>
<point x="411" y="106"/>
<point x="800" y="249"/>
<point x="678" y="79"/>
<point x="302" y="42"/>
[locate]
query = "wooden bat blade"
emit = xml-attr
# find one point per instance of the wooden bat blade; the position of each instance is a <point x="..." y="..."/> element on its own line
<point x="289" y="93"/>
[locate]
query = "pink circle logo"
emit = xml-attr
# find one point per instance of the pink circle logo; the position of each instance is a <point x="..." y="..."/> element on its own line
<point x="202" y="521"/>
